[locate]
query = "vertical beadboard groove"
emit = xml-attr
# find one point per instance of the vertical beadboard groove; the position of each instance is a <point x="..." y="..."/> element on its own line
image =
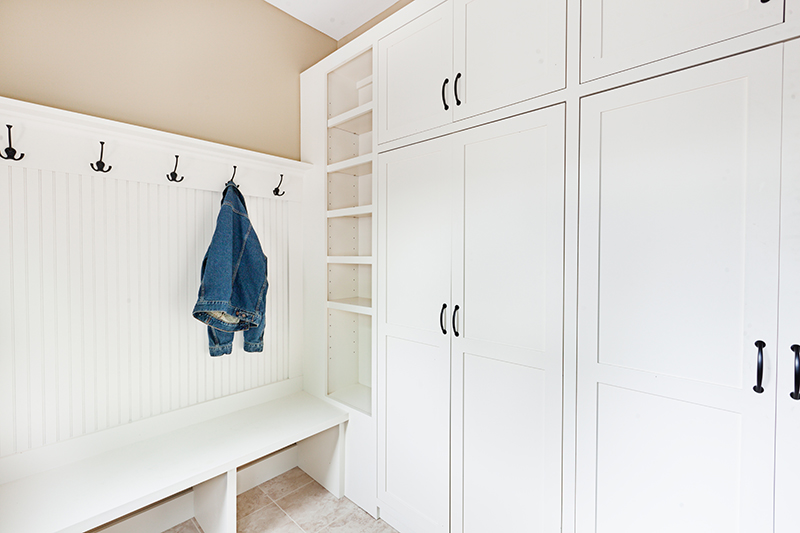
<point x="191" y="230"/>
<point x="143" y="290"/>
<point x="273" y="229"/>
<point x="69" y="364"/>
<point x="101" y="304"/>
<point x="61" y="275"/>
<point x="25" y="379"/>
<point x="49" y="310"/>
<point x="38" y="391"/>
<point x="12" y="438"/>
<point x="113" y="311"/>
<point x="27" y="343"/>
<point x="284" y="323"/>
<point x="134" y="289"/>
<point x="80" y="372"/>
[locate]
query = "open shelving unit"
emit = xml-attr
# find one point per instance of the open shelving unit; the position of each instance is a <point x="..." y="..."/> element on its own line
<point x="351" y="233"/>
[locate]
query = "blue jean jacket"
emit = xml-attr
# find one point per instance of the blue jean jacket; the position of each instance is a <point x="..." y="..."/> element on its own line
<point x="233" y="280"/>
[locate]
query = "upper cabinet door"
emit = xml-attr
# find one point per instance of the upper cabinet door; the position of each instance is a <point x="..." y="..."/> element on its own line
<point x="620" y="34"/>
<point x="506" y="51"/>
<point x="415" y="75"/>
<point x="678" y="281"/>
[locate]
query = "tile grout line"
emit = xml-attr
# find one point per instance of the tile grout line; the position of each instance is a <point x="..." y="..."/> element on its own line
<point x="327" y="523"/>
<point x="274" y="501"/>
<point x="282" y="509"/>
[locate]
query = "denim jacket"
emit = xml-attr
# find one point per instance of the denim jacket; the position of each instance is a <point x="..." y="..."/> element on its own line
<point x="233" y="280"/>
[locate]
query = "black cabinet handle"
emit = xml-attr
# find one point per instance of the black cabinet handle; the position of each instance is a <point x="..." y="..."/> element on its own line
<point x="796" y="394"/>
<point x="760" y="369"/>
<point x="455" y="321"/>
<point x="444" y="97"/>
<point x="441" y="319"/>
<point x="455" y="88"/>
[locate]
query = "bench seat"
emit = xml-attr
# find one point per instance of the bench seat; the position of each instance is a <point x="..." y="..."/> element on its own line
<point x="86" y="494"/>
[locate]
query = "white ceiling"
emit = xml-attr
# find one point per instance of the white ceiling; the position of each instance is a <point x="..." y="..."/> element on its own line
<point x="334" y="18"/>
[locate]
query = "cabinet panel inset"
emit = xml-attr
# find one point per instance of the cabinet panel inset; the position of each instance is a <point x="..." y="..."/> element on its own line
<point x="418" y="235"/>
<point x="673" y="234"/>
<point x="620" y="34"/>
<point x="650" y="452"/>
<point x="502" y="449"/>
<point x="413" y="63"/>
<point x="507" y="51"/>
<point x="499" y="305"/>
<point x="417" y="430"/>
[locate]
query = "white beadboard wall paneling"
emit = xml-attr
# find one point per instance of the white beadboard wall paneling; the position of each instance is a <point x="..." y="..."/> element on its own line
<point x="99" y="274"/>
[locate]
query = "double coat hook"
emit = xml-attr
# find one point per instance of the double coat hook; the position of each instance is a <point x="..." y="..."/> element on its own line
<point x="10" y="151"/>
<point x="100" y="166"/>
<point x="173" y="176"/>
<point x="277" y="190"/>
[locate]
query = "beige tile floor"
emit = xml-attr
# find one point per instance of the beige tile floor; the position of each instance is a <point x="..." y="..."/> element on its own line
<point x="295" y="503"/>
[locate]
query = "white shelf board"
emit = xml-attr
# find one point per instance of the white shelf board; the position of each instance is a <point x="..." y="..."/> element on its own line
<point x="358" y="211"/>
<point x="362" y="306"/>
<point x="350" y="259"/>
<point x="357" y="166"/>
<point x="360" y="84"/>
<point x="358" y="120"/>
<point x="357" y="396"/>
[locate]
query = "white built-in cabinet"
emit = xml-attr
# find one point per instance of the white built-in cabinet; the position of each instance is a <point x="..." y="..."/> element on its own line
<point x="577" y="267"/>
<point x="620" y="34"/>
<point x="678" y="352"/>
<point x="466" y="57"/>
<point x="470" y="328"/>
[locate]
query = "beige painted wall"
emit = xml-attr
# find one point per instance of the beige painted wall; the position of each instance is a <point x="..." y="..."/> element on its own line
<point x="372" y="22"/>
<point x="225" y="71"/>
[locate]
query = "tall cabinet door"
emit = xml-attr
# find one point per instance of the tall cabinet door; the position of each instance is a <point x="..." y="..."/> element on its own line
<point x="507" y="51"/>
<point x="620" y="34"/>
<point x="507" y="332"/>
<point x="415" y="79"/>
<point x="415" y="226"/>
<point x="787" y="464"/>
<point x="678" y="282"/>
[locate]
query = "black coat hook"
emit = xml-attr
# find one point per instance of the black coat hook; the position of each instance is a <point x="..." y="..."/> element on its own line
<point x="10" y="152"/>
<point x="100" y="166"/>
<point x="230" y="181"/>
<point x="173" y="176"/>
<point x="277" y="190"/>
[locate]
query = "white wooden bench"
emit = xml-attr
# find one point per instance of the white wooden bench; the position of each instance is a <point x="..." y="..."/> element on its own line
<point x="205" y="456"/>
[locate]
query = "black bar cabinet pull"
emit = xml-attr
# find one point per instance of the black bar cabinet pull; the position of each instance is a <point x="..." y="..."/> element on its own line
<point x="441" y="319"/>
<point x="796" y="394"/>
<point x="455" y="88"/>
<point x="444" y="97"/>
<point x="760" y="369"/>
<point x="455" y="321"/>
